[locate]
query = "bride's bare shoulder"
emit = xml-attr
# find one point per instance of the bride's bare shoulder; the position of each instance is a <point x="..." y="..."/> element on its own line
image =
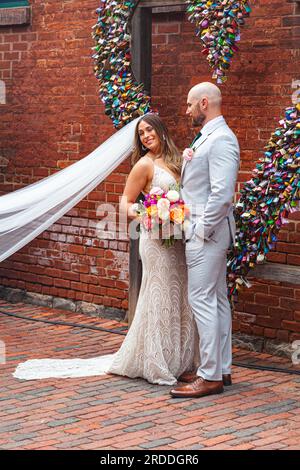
<point x="144" y="163"/>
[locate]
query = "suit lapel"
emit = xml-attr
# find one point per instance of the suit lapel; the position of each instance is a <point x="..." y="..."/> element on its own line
<point x="195" y="147"/>
<point x="201" y="141"/>
<point x="183" y="168"/>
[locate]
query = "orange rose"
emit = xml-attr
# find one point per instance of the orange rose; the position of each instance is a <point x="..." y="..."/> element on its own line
<point x="177" y="215"/>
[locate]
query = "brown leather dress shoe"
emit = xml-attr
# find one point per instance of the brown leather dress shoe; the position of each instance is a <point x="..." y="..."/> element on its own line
<point x="189" y="377"/>
<point x="198" y="388"/>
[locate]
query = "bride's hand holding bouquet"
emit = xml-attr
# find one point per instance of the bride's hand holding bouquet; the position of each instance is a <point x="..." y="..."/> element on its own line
<point x="163" y="214"/>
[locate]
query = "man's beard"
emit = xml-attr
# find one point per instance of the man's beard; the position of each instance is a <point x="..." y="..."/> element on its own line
<point x="199" y="120"/>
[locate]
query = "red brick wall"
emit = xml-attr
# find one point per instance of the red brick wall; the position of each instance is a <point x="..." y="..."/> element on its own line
<point x="53" y="117"/>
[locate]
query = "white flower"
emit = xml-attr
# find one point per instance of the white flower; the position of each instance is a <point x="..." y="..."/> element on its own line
<point x="173" y="195"/>
<point x="135" y="207"/>
<point x="163" y="206"/>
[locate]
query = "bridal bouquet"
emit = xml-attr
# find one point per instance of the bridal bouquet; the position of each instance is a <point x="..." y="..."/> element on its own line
<point x="163" y="214"/>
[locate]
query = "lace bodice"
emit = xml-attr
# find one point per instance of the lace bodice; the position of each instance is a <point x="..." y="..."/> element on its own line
<point x="162" y="178"/>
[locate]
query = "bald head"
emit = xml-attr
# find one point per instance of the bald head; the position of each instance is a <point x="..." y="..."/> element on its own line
<point x="207" y="90"/>
<point x="204" y="103"/>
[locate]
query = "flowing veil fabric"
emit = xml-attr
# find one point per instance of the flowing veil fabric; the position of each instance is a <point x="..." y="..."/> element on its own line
<point x="27" y="212"/>
<point x="63" y="368"/>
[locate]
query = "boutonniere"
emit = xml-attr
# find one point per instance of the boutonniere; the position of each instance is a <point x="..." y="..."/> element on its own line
<point x="188" y="154"/>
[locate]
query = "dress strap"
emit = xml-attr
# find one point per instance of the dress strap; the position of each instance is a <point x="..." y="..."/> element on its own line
<point x="146" y="156"/>
<point x="150" y="185"/>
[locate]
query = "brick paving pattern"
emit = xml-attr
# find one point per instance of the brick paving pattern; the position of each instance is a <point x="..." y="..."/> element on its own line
<point x="260" y="410"/>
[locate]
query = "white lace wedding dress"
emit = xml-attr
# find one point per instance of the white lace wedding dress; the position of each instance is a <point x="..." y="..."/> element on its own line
<point x="162" y="342"/>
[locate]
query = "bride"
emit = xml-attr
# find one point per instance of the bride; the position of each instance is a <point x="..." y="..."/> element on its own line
<point x="162" y="341"/>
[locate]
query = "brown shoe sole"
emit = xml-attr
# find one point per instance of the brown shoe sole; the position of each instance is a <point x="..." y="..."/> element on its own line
<point x="195" y="394"/>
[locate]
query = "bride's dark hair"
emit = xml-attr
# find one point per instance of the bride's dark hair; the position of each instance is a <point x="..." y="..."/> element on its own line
<point x="168" y="150"/>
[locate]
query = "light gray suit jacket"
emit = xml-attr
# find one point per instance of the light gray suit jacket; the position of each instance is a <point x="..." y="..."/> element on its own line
<point x="208" y="181"/>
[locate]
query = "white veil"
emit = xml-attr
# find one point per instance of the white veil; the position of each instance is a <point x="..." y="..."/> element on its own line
<point x="27" y="212"/>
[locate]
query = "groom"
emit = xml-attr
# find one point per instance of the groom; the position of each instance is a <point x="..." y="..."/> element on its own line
<point x="208" y="186"/>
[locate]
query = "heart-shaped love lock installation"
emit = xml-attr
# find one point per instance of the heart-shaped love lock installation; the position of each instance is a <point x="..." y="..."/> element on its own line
<point x="217" y="25"/>
<point x="124" y="98"/>
<point x="273" y="192"/>
<point x="267" y="199"/>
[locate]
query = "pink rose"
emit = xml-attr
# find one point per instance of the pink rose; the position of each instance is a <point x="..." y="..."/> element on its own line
<point x="156" y="191"/>
<point x="188" y="154"/>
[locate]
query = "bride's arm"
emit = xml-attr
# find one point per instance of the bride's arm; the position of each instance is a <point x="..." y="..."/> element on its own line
<point x="137" y="181"/>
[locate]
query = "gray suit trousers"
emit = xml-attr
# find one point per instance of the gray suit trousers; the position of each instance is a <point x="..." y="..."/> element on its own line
<point x="206" y="262"/>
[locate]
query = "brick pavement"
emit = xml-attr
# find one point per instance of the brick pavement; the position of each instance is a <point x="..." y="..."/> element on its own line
<point x="260" y="411"/>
